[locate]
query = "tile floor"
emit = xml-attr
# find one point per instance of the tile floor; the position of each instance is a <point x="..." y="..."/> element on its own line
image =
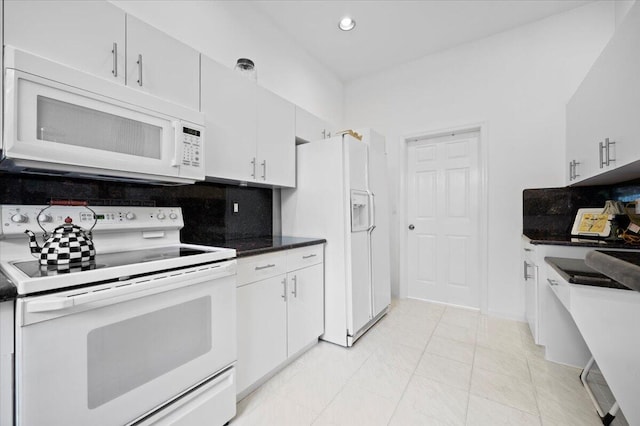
<point x="424" y="364"/>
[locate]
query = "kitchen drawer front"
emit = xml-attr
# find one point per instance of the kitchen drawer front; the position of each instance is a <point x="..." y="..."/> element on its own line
<point x="561" y="288"/>
<point x="304" y="256"/>
<point x="256" y="268"/>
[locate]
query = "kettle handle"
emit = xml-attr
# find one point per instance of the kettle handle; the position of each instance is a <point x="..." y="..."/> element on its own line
<point x="66" y="203"/>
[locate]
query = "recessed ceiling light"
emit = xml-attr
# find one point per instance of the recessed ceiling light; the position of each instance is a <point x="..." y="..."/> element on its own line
<point x="347" y="24"/>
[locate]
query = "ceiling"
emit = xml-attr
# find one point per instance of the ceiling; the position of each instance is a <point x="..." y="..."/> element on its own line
<point x="390" y="33"/>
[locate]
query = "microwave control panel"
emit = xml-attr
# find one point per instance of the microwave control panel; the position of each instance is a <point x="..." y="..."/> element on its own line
<point x="190" y="140"/>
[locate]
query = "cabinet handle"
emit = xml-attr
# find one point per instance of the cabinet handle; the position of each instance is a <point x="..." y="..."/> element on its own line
<point x="295" y="286"/>
<point x="309" y="256"/>
<point x="139" y="70"/>
<point x="264" y="169"/>
<point x="259" y="268"/>
<point x="607" y="144"/>
<point x="601" y="145"/>
<point x="253" y="163"/>
<point x="573" y="170"/>
<point x="552" y="282"/>
<point x="526" y="271"/>
<point x="528" y="249"/>
<point x="114" y="51"/>
<point x="284" y="289"/>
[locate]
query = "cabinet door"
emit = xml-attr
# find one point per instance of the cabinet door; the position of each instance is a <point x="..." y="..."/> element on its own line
<point x="310" y="128"/>
<point x="276" y="147"/>
<point x="229" y="105"/>
<point x="530" y="281"/>
<point x="606" y="104"/>
<point x="305" y="322"/>
<point x="80" y="34"/>
<point x="168" y="68"/>
<point x="262" y="329"/>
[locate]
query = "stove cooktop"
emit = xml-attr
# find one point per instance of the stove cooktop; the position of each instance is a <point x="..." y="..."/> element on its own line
<point x="33" y="269"/>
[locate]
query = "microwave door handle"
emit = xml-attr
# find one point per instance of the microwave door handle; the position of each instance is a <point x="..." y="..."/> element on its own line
<point x="179" y="144"/>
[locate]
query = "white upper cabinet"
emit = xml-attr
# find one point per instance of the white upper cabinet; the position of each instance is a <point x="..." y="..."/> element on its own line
<point x="86" y="35"/>
<point x="93" y="36"/>
<point x="603" y="125"/>
<point x="250" y="131"/>
<point x="229" y="105"/>
<point x="276" y="147"/>
<point x="161" y="65"/>
<point x="310" y="128"/>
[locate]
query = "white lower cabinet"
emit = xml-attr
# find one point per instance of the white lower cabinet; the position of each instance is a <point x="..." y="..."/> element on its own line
<point x="279" y="313"/>
<point x="262" y="329"/>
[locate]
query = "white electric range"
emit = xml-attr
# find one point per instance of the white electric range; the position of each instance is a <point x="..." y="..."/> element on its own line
<point x="143" y="334"/>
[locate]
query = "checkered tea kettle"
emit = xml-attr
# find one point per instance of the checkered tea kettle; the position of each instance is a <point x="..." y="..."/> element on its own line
<point x="69" y="243"/>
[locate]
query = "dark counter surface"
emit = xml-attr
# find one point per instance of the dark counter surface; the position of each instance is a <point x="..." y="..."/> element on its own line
<point x="260" y="245"/>
<point x="567" y="240"/>
<point x="8" y="290"/>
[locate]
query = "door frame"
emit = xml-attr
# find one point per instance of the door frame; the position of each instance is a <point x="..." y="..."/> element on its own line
<point x="403" y="220"/>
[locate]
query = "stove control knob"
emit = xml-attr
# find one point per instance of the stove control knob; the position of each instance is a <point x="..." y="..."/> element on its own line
<point x="173" y="216"/>
<point x="45" y="217"/>
<point x="161" y="216"/>
<point x="19" y="218"/>
<point x="130" y="216"/>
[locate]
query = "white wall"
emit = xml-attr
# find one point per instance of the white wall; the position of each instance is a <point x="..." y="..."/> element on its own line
<point x="517" y="83"/>
<point x="228" y="30"/>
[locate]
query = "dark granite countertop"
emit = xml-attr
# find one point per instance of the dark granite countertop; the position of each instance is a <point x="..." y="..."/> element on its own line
<point x="8" y="290"/>
<point x="260" y="245"/>
<point x="567" y="240"/>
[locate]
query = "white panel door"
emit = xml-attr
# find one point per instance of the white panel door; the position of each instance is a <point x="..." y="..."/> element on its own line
<point x="443" y="210"/>
<point x="169" y="69"/>
<point x="80" y="34"/>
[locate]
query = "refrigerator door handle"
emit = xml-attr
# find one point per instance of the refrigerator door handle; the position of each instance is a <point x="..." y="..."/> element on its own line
<point x="372" y="211"/>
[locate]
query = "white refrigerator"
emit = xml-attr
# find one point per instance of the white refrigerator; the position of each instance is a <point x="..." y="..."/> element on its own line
<point x="341" y="195"/>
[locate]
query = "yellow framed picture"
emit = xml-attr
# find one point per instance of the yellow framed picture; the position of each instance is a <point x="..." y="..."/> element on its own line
<point x="592" y="222"/>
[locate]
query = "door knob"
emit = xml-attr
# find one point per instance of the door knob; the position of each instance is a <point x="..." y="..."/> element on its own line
<point x="411" y="227"/>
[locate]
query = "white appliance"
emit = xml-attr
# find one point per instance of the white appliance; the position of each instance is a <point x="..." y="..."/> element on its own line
<point x="143" y="335"/>
<point x="341" y="195"/>
<point x="59" y="120"/>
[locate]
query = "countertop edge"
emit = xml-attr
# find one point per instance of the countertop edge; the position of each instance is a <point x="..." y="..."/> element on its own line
<point x="257" y="251"/>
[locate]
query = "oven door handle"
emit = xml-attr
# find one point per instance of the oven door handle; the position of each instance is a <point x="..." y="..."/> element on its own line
<point x="134" y="288"/>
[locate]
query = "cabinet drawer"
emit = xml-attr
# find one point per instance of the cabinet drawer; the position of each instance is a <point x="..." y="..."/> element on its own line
<point x="304" y="256"/>
<point x="561" y="288"/>
<point x="256" y="268"/>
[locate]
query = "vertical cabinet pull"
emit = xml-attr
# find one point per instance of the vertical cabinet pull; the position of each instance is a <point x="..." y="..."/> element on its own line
<point x="284" y="289"/>
<point x="573" y="170"/>
<point x="295" y="286"/>
<point x="114" y="51"/>
<point x="139" y="70"/>
<point x="526" y="271"/>
<point x="253" y="164"/>
<point x="607" y="145"/>
<point x="264" y="169"/>
<point x="605" y="153"/>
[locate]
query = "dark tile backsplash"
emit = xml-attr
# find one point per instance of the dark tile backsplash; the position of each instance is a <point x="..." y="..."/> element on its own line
<point x="207" y="207"/>
<point x="551" y="211"/>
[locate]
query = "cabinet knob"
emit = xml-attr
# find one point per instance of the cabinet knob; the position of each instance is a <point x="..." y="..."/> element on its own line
<point x="411" y="227"/>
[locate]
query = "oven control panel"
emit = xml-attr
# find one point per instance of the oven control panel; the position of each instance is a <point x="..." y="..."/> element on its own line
<point x="15" y="219"/>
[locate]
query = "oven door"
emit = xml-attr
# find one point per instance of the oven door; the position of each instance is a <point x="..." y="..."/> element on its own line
<point x="108" y="354"/>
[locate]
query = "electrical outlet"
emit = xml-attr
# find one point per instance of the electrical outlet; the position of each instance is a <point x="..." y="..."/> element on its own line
<point x="236" y="208"/>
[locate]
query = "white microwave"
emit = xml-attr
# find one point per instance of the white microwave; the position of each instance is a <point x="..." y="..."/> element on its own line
<point x="59" y="120"/>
